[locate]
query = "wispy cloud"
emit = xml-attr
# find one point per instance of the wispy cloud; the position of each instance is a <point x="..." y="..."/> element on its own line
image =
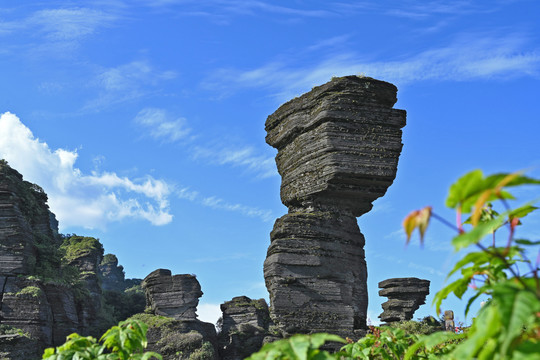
<point x="161" y="125"/>
<point x="242" y="156"/>
<point x="475" y="56"/>
<point x="217" y="203"/>
<point x="78" y="199"/>
<point x="226" y="258"/>
<point x="223" y="8"/>
<point x="69" y="24"/>
<point x="58" y="29"/>
<point x="426" y="269"/>
<point x="126" y="82"/>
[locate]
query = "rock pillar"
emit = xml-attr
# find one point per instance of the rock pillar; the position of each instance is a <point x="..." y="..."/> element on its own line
<point x="172" y="296"/>
<point x="405" y="295"/>
<point x="338" y="148"/>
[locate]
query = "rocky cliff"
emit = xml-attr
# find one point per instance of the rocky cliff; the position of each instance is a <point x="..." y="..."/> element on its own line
<point x="338" y="147"/>
<point x="50" y="285"/>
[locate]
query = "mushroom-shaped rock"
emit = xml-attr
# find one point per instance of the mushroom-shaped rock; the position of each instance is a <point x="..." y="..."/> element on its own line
<point x="338" y="147"/>
<point x="405" y="295"/>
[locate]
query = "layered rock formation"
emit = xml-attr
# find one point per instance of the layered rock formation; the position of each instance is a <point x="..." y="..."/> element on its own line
<point x="173" y="296"/>
<point x="174" y="331"/>
<point x="338" y="148"/>
<point x="49" y="283"/>
<point x="244" y="327"/>
<point x="405" y="295"/>
<point x="112" y="275"/>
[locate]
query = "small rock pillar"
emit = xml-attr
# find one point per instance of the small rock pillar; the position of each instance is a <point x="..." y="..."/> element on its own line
<point x="172" y="296"/>
<point x="338" y="148"/>
<point x="405" y="295"/>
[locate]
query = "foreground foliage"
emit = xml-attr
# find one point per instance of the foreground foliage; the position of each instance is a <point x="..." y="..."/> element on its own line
<point x="506" y="327"/>
<point x="122" y="342"/>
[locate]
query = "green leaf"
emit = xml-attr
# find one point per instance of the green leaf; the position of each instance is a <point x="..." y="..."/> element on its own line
<point x="517" y="307"/>
<point x="299" y="345"/>
<point x="464" y="187"/>
<point x="476" y="258"/>
<point x="477" y="233"/>
<point x="522" y="211"/>
<point x="526" y="242"/>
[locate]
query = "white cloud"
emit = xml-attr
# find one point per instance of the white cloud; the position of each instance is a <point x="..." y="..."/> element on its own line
<point x="373" y="318"/>
<point x="474" y="56"/>
<point x="209" y="312"/>
<point x="78" y="199"/>
<point x="161" y="125"/>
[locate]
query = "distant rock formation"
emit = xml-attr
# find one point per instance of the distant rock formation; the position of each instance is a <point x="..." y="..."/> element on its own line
<point x="112" y="275"/>
<point x="173" y="296"/>
<point x="244" y="327"/>
<point x="405" y="295"/>
<point x="338" y="147"/>
<point x="49" y="283"/>
<point x="174" y="331"/>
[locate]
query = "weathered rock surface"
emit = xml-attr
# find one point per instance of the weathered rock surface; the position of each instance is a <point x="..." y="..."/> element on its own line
<point x="25" y="306"/>
<point x="245" y="324"/>
<point x="173" y="296"/>
<point x="18" y="347"/>
<point x="174" y="330"/>
<point x="48" y="283"/>
<point x="112" y="275"/>
<point x="180" y="339"/>
<point x="405" y="295"/>
<point x="338" y="148"/>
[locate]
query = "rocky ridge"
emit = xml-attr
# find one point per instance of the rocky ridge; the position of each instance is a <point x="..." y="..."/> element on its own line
<point x="50" y="284"/>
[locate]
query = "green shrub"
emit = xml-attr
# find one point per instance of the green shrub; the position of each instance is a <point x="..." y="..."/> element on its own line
<point x="507" y="327"/>
<point x="78" y="246"/>
<point x="30" y="292"/>
<point x="122" y="342"/>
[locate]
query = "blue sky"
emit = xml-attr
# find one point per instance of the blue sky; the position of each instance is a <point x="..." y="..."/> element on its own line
<point x="144" y="120"/>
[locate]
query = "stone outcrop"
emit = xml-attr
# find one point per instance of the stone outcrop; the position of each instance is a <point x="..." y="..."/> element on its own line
<point x="112" y="275"/>
<point x="338" y="148"/>
<point x="16" y="347"/>
<point x="49" y="286"/>
<point x="173" y="296"/>
<point x="180" y="339"/>
<point x="405" y="295"/>
<point x="244" y="327"/>
<point x="174" y="330"/>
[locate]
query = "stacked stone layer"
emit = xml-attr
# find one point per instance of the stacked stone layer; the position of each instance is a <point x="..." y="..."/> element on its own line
<point x="338" y="148"/>
<point x="245" y="325"/>
<point x="405" y="295"/>
<point x="182" y="336"/>
<point x="172" y="296"/>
